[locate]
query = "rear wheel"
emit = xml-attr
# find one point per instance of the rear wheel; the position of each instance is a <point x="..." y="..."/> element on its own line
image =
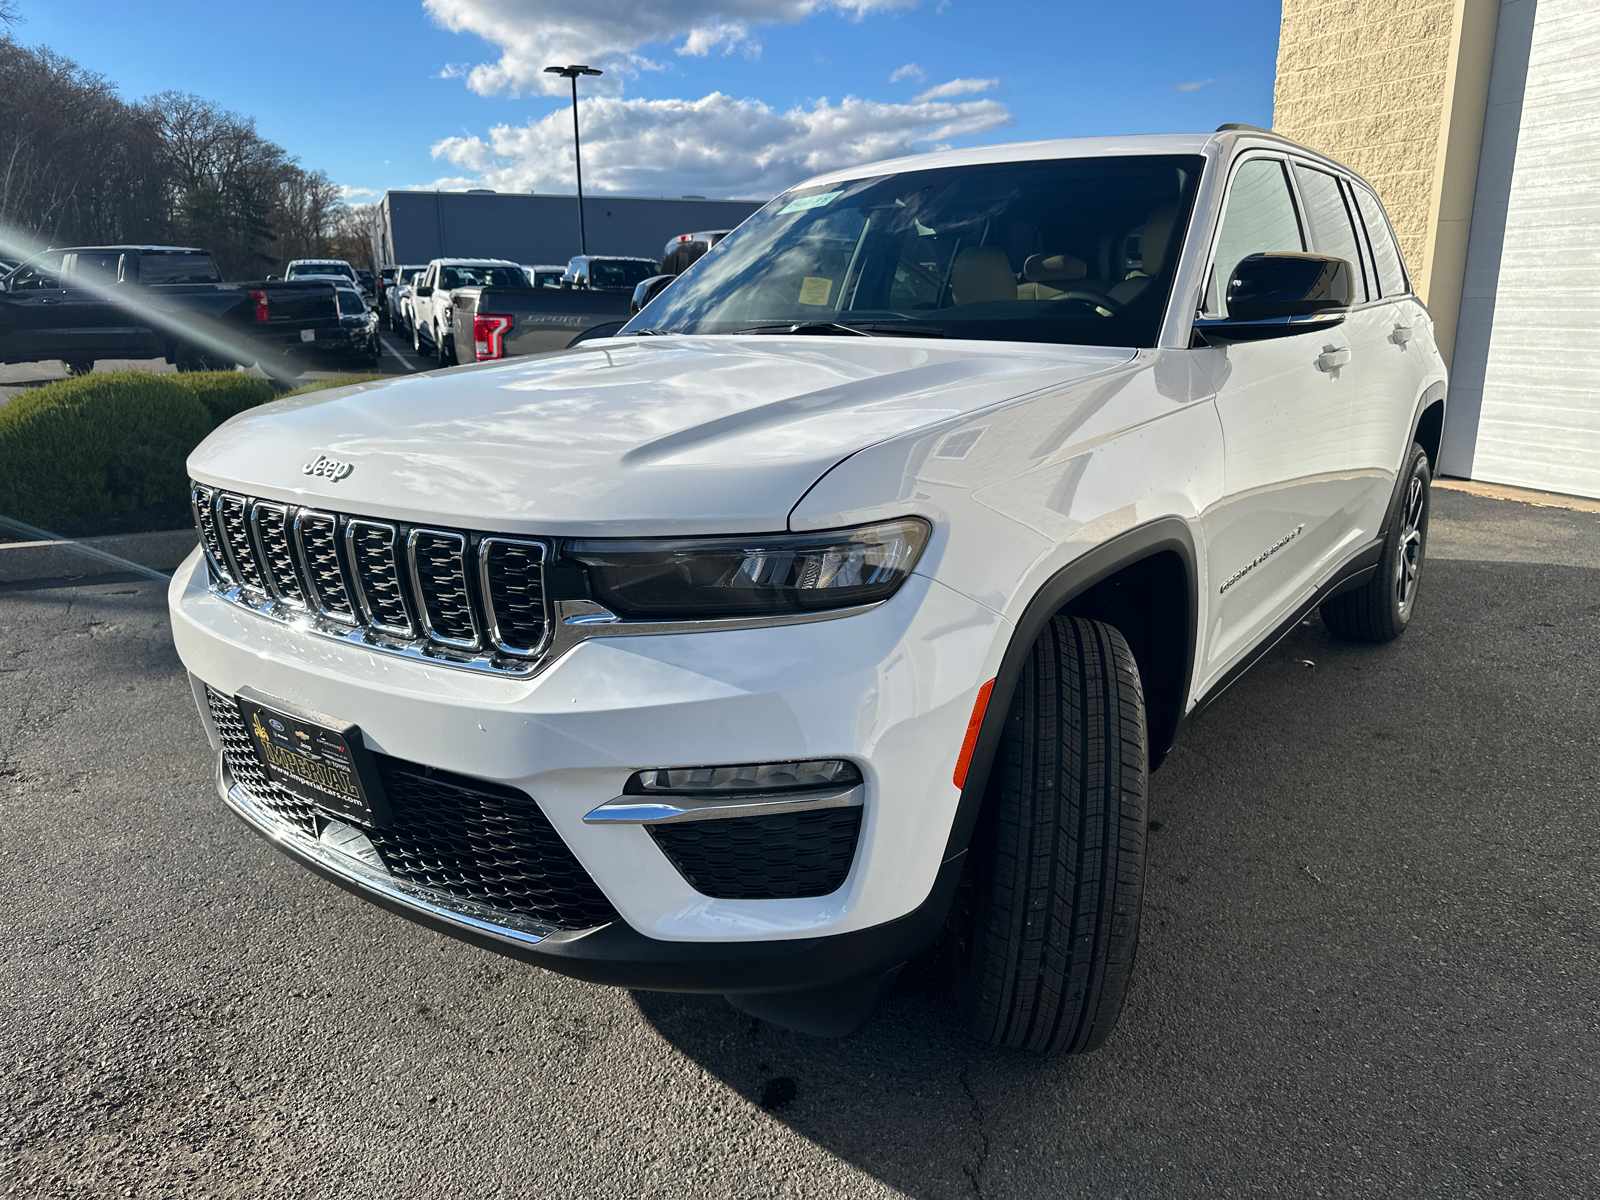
<point x="445" y="345"/>
<point x="1048" y="920"/>
<point x="1380" y="609"/>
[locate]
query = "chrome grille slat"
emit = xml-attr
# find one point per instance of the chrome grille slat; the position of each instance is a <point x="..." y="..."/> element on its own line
<point x="438" y="562"/>
<point x="271" y="523"/>
<point x="233" y="524"/>
<point x="317" y="538"/>
<point x="374" y="560"/>
<point x="446" y="596"/>
<point x="201" y="500"/>
<point x="511" y="579"/>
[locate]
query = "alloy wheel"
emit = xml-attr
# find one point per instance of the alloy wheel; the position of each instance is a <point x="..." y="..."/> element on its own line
<point x="1408" y="563"/>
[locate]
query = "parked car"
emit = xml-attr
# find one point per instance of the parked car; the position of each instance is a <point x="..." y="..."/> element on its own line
<point x="391" y="282"/>
<point x="320" y="268"/>
<point x="546" y="276"/>
<point x="402" y="299"/>
<point x="509" y="322"/>
<point x="431" y="299"/>
<point x="607" y="273"/>
<point x="368" y="283"/>
<point x="359" y="323"/>
<point x="848" y="595"/>
<point x="683" y="251"/>
<point x="84" y="303"/>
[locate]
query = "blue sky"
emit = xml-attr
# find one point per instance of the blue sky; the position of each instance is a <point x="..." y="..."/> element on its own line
<point x="716" y="97"/>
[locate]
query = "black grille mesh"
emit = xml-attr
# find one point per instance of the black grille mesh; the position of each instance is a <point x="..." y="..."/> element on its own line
<point x="442" y="571"/>
<point x="272" y="526"/>
<point x="378" y="571"/>
<point x="234" y="526"/>
<point x="764" y="858"/>
<point x="514" y="578"/>
<point x="319" y="551"/>
<point x="467" y="838"/>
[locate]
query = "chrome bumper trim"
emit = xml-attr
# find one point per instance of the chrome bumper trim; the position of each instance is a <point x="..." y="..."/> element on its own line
<point x="643" y="810"/>
<point x="462" y="914"/>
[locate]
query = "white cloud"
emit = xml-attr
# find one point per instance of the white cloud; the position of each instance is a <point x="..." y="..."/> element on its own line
<point x="909" y="71"/>
<point x="714" y="146"/>
<point x="609" y="34"/>
<point x="956" y="87"/>
<point x="1195" y="86"/>
<point x="454" y="70"/>
<point x="346" y="192"/>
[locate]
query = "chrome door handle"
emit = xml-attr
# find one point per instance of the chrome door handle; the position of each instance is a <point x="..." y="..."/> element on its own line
<point x="1401" y="335"/>
<point x="1333" y="357"/>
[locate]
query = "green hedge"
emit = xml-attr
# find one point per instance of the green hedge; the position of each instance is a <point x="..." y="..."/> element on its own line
<point x="323" y="384"/>
<point x="108" y="444"/>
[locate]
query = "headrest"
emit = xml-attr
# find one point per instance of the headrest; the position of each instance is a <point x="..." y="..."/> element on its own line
<point x="1153" y="242"/>
<point x="983" y="273"/>
<point x="1046" y="269"/>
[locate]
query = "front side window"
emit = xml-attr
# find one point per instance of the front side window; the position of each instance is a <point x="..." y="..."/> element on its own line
<point x="1025" y="252"/>
<point x="1385" y="254"/>
<point x="1260" y="219"/>
<point x="1331" y="228"/>
<point x="42" y="274"/>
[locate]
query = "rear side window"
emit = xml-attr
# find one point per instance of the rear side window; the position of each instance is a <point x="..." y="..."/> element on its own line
<point x="350" y="304"/>
<point x="177" y="268"/>
<point x="91" y="268"/>
<point x="1331" y="228"/>
<point x="1260" y="219"/>
<point x="1385" y="254"/>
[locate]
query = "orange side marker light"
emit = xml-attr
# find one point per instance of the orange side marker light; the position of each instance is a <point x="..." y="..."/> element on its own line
<point x="970" y="742"/>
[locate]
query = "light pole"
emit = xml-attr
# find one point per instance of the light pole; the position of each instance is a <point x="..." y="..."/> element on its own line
<point x="572" y="73"/>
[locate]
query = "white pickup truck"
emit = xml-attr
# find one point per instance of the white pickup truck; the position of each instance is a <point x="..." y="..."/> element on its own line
<point x="847" y="595"/>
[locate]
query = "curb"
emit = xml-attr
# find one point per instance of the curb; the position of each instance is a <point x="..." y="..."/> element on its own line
<point x="22" y="562"/>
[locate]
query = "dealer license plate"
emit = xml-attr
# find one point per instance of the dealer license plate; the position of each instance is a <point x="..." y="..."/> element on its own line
<point x="320" y="761"/>
<point x="308" y="335"/>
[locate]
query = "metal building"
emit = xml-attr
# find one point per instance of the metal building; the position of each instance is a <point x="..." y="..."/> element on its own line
<point x="413" y="227"/>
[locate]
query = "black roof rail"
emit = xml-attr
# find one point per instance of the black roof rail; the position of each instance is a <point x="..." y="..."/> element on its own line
<point x="1241" y="128"/>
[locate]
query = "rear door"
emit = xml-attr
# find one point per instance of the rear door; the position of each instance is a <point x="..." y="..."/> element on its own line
<point x="1401" y="333"/>
<point x="30" y="322"/>
<point x="1284" y="404"/>
<point x="102" y="315"/>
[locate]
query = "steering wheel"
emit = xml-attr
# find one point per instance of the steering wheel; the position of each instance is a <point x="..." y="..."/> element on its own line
<point x="1091" y="298"/>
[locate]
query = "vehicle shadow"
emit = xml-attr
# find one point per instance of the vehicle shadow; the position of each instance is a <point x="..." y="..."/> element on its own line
<point x="1330" y="884"/>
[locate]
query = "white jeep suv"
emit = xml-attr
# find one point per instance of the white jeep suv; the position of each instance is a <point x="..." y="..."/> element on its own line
<point x="847" y="595"/>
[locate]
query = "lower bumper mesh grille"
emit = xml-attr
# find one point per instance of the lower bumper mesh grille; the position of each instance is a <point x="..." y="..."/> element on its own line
<point x="467" y="838"/>
<point x="764" y="858"/>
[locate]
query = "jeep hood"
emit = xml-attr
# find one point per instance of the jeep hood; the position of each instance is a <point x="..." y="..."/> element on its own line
<point x="623" y="437"/>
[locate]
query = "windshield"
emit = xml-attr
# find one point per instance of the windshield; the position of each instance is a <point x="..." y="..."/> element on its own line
<point x="177" y="268"/>
<point x="460" y="277"/>
<point x="298" y="270"/>
<point x="1076" y="250"/>
<point x="619" y="274"/>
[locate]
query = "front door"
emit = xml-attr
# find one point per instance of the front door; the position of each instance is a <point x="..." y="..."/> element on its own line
<point x="1285" y="408"/>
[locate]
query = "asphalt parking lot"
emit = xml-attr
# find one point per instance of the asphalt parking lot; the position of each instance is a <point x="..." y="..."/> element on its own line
<point x="1370" y="958"/>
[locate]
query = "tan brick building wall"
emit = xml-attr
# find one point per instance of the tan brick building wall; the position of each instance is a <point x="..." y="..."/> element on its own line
<point x="1395" y="89"/>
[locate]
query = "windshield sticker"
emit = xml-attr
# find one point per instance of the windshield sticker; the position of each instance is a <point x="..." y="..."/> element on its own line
<point x="815" y="290"/>
<point x="801" y="203"/>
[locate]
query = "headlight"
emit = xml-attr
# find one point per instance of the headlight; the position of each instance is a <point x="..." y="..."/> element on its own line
<point x="754" y="575"/>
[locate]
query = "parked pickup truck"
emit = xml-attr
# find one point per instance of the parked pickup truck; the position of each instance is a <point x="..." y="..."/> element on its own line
<point x="85" y="303"/>
<point x="496" y="322"/>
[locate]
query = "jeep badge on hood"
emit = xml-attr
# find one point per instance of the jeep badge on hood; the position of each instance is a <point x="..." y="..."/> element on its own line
<point x="328" y="468"/>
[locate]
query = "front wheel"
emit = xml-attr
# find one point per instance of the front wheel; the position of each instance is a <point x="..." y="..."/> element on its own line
<point x="445" y="344"/>
<point x="79" y="366"/>
<point x="1380" y="609"/>
<point x="1048" y="920"/>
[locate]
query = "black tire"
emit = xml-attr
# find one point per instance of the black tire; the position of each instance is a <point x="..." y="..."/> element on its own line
<point x="1048" y="921"/>
<point x="447" y="350"/>
<point x="1380" y="609"/>
<point x="79" y="366"/>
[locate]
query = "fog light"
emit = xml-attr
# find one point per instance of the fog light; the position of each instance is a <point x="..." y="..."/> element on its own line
<point x="808" y="775"/>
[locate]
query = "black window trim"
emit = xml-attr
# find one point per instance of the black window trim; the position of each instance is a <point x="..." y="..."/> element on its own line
<point x="1251" y="154"/>
<point x="1405" y="273"/>
<point x="1369" y="274"/>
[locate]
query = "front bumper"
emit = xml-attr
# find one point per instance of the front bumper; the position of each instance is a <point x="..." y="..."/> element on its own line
<point x="891" y="689"/>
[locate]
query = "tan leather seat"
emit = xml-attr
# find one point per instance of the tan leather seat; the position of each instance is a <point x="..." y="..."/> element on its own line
<point x="1041" y="271"/>
<point x="1153" y="244"/>
<point x="982" y="274"/>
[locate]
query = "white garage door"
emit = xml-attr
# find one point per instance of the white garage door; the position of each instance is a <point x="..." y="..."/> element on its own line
<point x="1525" y="391"/>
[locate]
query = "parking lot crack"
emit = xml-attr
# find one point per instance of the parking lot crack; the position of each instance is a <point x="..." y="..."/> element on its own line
<point x="974" y="1173"/>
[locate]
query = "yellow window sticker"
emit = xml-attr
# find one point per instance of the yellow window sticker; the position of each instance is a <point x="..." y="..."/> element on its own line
<point x="815" y="290"/>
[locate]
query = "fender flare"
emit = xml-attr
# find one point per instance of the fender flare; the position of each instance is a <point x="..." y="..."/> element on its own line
<point x="1164" y="535"/>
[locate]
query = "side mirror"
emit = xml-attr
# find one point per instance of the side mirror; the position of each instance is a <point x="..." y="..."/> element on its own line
<point x="422" y="290"/>
<point x="654" y="287"/>
<point x="1280" y="295"/>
